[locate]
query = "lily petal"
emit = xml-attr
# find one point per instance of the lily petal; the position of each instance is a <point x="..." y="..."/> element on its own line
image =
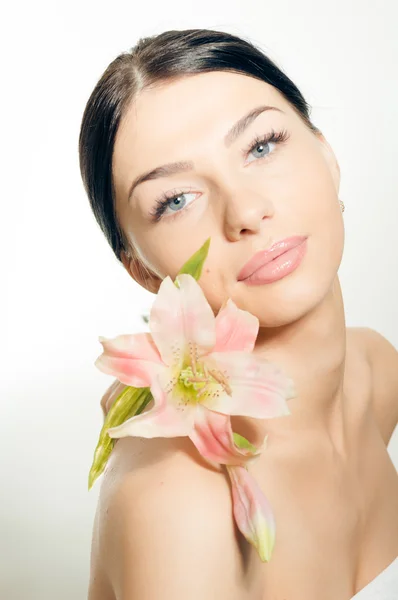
<point x="180" y="317"/>
<point x="252" y="511"/>
<point x="236" y="329"/>
<point x="259" y="388"/>
<point x="116" y="360"/>
<point x="164" y="420"/>
<point x="213" y="437"/>
<point x="135" y="345"/>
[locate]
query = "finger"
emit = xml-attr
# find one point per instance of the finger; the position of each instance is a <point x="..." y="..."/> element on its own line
<point x="118" y="388"/>
<point x="108" y="393"/>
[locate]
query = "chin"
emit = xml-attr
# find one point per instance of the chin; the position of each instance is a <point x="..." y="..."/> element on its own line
<point x="289" y="299"/>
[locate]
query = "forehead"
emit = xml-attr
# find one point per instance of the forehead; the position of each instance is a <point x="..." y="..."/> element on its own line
<point x="169" y="120"/>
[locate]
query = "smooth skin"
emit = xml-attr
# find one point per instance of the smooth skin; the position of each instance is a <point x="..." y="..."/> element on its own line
<point x="164" y="527"/>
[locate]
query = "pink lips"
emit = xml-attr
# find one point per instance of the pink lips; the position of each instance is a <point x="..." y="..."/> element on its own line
<point x="265" y="256"/>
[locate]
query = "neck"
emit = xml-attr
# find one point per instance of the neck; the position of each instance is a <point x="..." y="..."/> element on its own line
<point x="312" y="352"/>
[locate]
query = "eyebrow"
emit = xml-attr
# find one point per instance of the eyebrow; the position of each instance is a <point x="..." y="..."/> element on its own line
<point x="181" y="166"/>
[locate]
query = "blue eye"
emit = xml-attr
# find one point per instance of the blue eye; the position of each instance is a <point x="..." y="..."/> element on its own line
<point x="265" y="140"/>
<point x="172" y="199"/>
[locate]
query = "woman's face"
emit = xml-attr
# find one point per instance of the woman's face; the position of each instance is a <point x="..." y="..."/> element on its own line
<point x="244" y="200"/>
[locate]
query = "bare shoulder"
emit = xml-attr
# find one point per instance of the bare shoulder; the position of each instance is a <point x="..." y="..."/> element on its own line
<point x="382" y="357"/>
<point x="165" y="524"/>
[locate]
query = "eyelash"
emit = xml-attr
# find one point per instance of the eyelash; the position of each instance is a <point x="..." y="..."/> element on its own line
<point x="167" y="198"/>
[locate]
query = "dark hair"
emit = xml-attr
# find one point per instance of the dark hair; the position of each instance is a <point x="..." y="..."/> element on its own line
<point x="153" y="60"/>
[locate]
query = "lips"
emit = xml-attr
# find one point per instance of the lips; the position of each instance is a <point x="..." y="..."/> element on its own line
<point x="265" y="256"/>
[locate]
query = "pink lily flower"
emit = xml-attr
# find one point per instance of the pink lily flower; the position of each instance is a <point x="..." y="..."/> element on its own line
<point x="201" y="370"/>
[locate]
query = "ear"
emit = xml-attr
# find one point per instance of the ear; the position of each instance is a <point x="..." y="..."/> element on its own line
<point x="142" y="275"/>
<point x="331" y="160"/>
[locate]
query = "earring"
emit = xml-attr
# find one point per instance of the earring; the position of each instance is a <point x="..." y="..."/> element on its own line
<point x="342" y="206"/>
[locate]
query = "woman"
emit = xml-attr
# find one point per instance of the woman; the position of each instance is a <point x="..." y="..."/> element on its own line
<point x="259" y="172"/>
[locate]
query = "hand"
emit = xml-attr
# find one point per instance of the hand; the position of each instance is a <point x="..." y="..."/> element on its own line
<point x="110" y="395"/>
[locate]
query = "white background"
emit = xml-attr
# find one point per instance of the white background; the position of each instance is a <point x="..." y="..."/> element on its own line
<point x="63" y="286"/>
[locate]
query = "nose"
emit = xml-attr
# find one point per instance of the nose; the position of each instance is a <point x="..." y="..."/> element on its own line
<point x="244" y="213"/>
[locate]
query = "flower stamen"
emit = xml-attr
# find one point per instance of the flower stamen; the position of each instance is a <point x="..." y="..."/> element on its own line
<point x="221" y="379"/>
<point x="193" y="357"/>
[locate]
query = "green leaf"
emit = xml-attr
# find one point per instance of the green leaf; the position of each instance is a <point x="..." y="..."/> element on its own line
<point x="242" y="442"/>
<point x="194" y="265"/>
<point x="130" y="402"/>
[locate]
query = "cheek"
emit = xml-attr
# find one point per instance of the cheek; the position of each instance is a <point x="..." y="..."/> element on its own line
<point x="325" y="225"/>
<point x="328" y="242"/>
<point x="168" y="247"/>
<point x="317" y="206"/>
<point x="307" y="167"/>
<point x="326" y="219"/>
<point x="325" y="252"/>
